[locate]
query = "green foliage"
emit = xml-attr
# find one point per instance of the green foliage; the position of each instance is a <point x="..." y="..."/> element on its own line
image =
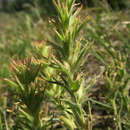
<point x="68" y="81"/>
<point x="52" y="90"/>
<point x="116" y="74"/>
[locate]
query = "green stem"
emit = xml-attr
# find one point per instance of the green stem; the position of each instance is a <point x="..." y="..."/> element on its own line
<point x="6" y="124"/>
<point x="117" y="115"/>
<point x="36" y="123"/>
<point x="90" y="116"/>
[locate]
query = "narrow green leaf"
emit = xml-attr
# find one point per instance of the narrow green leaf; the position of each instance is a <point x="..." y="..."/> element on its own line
<point x="13" y="84"/>
<point x="76" y="32"/>
<point x="69" y="123"/>
<point x="100" y="57"/>
<point x="68" y="88"/>
<point x="20" y="85"/>
<point x="100" y="103"/>
<point x="58" y="8"/>
<point x="29" y="117"/>
<point x="1" y="125"/>
<point x="74" y="106"/>
<point x="80" y="59"/>
<point x="70" y="4"/>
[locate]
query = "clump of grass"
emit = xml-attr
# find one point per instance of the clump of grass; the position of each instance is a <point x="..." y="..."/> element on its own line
<point x="113" y="55"/>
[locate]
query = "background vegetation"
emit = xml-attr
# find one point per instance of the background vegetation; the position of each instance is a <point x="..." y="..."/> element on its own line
<point x="25" y="27"/>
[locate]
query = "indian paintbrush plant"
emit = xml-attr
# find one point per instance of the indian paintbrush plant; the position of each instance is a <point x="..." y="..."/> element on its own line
<point x="50" y="88"/>
<point x="54" y="77"/>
